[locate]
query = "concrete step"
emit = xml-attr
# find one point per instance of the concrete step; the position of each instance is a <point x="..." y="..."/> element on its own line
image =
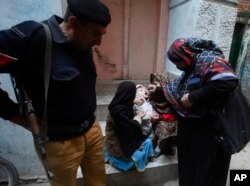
<point x="103" y="124"/>
<point x="79" y="183"/>
<point x="108" y="87"/>
<point x="160" y="171"/>
<point x="102" y="107"/>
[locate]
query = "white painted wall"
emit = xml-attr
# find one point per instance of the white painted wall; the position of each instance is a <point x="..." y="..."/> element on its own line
<point x="208" y="19"/>
<point x="16" y="143"/>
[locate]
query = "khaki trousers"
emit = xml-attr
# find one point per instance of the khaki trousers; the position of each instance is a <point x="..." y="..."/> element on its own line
<point x="65" y="156"/>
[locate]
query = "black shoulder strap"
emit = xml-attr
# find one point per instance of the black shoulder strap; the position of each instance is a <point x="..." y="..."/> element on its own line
<point x="21" y="32"/>
<point x="47" y="69"/>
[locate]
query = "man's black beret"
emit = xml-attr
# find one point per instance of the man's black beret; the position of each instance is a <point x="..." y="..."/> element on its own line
<point x="90" y="10"/>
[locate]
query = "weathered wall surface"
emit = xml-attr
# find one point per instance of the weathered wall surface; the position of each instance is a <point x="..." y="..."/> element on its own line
<point x="208" y="19"/>
<point x="182" y="23"/>
<point x="243" y="64"/>
<point x="16" y="143"/>
<point x="15" y="11"/>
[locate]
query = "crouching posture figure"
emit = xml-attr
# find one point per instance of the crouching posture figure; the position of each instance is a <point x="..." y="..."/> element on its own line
<point x="165" y="122"/>
<point x="126" y="146"/>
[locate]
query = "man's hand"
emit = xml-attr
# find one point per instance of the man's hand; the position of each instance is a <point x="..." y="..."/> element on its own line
<point x="20" y="120"/>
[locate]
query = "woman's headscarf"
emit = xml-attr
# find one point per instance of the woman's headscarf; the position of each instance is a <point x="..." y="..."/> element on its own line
<point x="123" y="99"/>
<point x="203" y="59"/>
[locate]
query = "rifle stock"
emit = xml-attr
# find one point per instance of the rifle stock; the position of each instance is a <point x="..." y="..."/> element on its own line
<point x="32" y="122"/>
<point x="39" y="138"/>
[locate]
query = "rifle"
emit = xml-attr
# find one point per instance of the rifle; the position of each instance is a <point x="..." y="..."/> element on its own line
<point x="33" y="123"/>
<point x="39" y="136"/>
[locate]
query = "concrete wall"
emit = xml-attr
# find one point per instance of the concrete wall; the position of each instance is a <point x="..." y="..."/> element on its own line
<point x="16" y="143"/>
<point x="208" y="19"/>
<point x="243" y="64"/>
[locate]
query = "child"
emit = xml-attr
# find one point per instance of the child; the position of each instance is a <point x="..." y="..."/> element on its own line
<point x="165" y="124"/>
<point x="141" y="103"/>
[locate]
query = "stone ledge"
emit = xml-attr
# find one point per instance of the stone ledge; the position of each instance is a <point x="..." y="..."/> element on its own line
<point x="157" y="162"/>
<point x="104" y="100"/>
<point x="159" y="170"/>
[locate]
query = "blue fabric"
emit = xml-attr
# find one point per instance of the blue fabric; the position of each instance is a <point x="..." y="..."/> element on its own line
<point x="138" y="160"/>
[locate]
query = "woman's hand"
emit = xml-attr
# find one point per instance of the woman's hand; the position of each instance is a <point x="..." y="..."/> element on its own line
<point x="138" y="101"/>
<point x="154" y="117"/>
<point x="185" y="100"/>
<point x="138" y="117"/>
<point x="152" y="88"/>
<point x="141" y="114"/>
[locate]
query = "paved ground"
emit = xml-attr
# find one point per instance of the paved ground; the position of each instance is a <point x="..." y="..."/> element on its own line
<point x="241" y="160"/>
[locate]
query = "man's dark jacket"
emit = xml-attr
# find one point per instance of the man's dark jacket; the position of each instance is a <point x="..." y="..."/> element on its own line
<point x="71" y="95"/>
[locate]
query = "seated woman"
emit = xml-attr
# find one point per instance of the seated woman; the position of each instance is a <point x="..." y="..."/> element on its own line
<point x="125" y="145"/>
<point x="165" y="122"/>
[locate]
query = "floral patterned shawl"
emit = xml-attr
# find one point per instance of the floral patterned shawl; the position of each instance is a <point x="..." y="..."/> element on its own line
<point x="205" y="62"/>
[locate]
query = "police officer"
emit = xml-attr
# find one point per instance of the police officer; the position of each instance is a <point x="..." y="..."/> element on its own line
<point x="75" y="137"/>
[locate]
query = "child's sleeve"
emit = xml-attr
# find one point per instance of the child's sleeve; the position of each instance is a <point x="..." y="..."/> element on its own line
<point x="168" y="117"/>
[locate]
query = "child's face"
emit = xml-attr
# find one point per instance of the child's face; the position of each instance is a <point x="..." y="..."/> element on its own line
<point x="142" y="91"/>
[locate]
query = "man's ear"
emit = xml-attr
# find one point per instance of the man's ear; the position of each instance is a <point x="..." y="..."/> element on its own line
<point x="73" y="22"/>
